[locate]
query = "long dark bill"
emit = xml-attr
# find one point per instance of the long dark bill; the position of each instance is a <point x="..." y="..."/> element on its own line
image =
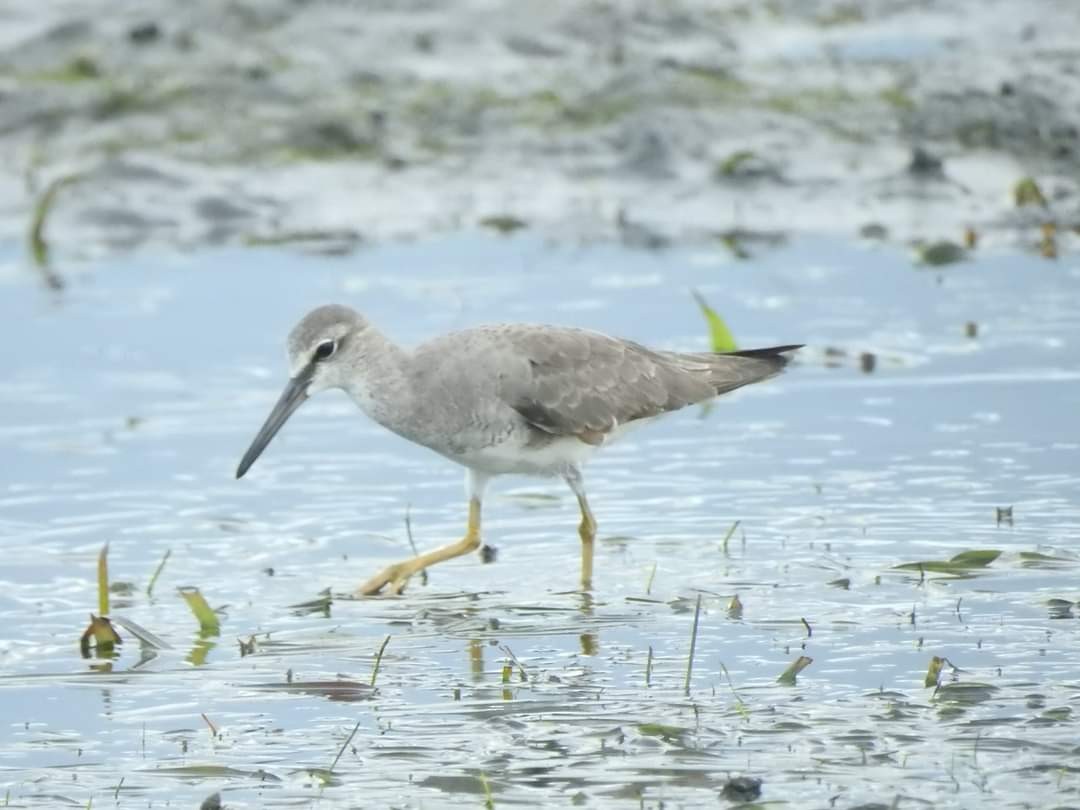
<point x="291" y="398"/>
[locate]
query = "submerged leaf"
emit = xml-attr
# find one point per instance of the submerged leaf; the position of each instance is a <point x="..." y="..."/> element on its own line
<point x="665" y="732"/>
<point x="341" y="691"/>
<point x="966" y="693"/>
<point x="719" y="335"/>
<point x="963" y="563"/>
<point x="1033" y="559"/>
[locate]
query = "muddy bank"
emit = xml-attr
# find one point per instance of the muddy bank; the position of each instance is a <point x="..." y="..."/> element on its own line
<point x="333" y="123"/>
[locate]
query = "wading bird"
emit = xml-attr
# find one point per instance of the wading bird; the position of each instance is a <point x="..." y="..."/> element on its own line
<point x="509" y="398"/>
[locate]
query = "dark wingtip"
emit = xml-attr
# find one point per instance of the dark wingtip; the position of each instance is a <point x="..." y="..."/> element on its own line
<point x="771" y="351"/>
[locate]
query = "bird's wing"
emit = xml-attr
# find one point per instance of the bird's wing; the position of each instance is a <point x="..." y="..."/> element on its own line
<point x="571" y="382"/>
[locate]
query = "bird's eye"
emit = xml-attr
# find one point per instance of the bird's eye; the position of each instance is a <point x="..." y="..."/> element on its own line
<point x="325" y="349"/>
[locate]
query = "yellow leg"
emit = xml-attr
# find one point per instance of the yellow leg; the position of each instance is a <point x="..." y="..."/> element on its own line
<point x="587" y="530"/>
<point x="397" y="575"/>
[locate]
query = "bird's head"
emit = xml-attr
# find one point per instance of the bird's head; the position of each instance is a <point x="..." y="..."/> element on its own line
<point x="319" y="348"/>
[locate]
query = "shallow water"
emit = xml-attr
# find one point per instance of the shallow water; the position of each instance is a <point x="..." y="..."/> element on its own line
<point x="129" y="396"/>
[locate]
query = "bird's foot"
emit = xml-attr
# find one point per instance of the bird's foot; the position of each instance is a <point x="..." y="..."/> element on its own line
<point x="395" y="576"/>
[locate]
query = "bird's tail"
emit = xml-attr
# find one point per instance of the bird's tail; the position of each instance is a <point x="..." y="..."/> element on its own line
<point x="727" y="371"/>
<point x="752" y="366"/>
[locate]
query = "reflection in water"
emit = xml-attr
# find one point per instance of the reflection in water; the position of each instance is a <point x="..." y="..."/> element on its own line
<point x="476" y="660"/>
<point x="590" y="642"/>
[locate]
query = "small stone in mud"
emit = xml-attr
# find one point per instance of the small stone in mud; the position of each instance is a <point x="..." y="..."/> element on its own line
<point x="144" y="33"/>
<point x="868" y="362"/>
<point x="925" y="164"/>
<point x="741" y="789"/>
<point x="488" y="553"/>
<point x="940" y="253"/>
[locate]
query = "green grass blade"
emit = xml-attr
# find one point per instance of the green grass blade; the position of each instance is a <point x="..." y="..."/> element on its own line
<point x="719" y="335"/>
<point x="207" y="618"/>
<point x="103" y="581"/>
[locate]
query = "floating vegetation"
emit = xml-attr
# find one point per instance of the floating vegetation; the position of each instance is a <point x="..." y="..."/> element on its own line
<point x="940" y="253"/>
<point x="963" y="564"/>
<point x="340" y="691"/>
<point x="320" y="605"/>
<point x="965" y="694"/>
<point x="1060" y="608"/>
<point x="1036" y="559"/>
<point x="503" y="223"/>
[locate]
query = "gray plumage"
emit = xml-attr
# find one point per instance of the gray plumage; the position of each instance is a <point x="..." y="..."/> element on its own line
<point x="511" y="398"/>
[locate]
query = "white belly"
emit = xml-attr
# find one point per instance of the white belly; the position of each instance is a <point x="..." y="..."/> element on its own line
<point x="516" y="457"/>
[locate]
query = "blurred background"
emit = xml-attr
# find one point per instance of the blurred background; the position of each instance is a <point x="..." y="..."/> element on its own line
<point x="892" y="183"/>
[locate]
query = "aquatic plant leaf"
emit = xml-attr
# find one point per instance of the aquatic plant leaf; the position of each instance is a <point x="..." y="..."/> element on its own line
<point x="214" y="772"/>
<point x="1033" y="559"/>
<point x="207" y="618"/>
<point x="933" y="672"/>
<point x="1027" y="192"/>
<point x="719" y="335"/>
<point x="141" y="633"/>
<point x="789" y="675"/>
<point x="665" y="732"/>
<point x="39" y="245"/>
<point x="321" y="604"/>
<point x="341" y="691"/>
<point x="503" y="223"/>
<point x="966" y="693"/>
<point x="963" y="563"/>
<point x="936" y="254"/>
<point x="103" y="635"/>
<point x="975" y="559"/>
<point x="1060" y="608"/>
<point x="103" y="580"/>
